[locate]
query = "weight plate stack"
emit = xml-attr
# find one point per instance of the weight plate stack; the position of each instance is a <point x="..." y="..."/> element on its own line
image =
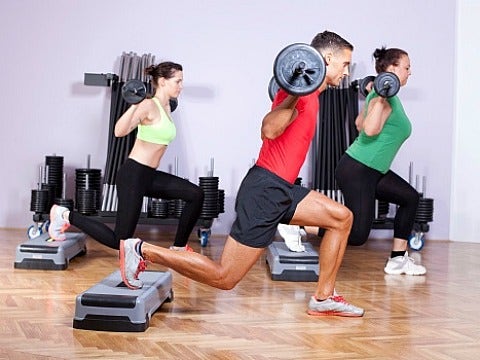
<point x="179" y="205"/>
<point x="55" y="173"/>
<point x="87" y="203"/>
<point x="383" y="208"/>
<point x="39" y="201"/>
<point x="90" y="179"/>
<point x="159" y="208"/>
<point x="221" y="201"/>
<point x="209" y="184"/>
<point x="68" y="203"/>
<point x="171" y="207"/>
<point x="51" y="189"/>
<point x="424" y="211"/>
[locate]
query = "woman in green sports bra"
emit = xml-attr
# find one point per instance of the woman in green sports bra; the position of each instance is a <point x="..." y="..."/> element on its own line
<point x="363" y="173"/>
<point x="138" y="176"/>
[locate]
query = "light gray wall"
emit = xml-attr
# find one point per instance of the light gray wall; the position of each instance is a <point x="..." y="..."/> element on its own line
<point x="227" y="49"/>
<point x="465" y="218"/>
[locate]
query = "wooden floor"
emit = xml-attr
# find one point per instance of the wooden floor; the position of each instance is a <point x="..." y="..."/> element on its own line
<point x="431" y="317"/>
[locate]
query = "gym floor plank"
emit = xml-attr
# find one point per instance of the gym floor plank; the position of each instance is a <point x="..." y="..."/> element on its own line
<point x="425" y="317"/>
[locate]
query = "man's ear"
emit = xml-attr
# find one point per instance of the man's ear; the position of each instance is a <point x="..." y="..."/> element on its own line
<point x="328" y="58"/>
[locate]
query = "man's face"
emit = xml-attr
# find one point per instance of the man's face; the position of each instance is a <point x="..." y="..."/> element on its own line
<point x="338" y="64"/>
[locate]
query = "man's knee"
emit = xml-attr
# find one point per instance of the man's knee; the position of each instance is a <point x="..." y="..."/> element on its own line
<point x="225" y="281"/>
<point x="345" y="217"/>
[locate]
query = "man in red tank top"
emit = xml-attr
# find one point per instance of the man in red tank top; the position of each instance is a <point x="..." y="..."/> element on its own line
<point x="268" y="196"/>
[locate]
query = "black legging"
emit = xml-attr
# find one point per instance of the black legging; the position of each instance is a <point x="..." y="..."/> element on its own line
<point x="361" y="185"/>
<point x="134" y="181"/>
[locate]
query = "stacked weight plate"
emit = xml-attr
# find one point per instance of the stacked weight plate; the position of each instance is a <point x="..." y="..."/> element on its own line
<point x="221" y="201"/>
<point x="87" y="190"/>
<point x="54" y="171"/>
<point x="209" y="184"/>
<point x="39" y="201"/>
<point x="159" y="208"/>
<point x="424" y="211"/>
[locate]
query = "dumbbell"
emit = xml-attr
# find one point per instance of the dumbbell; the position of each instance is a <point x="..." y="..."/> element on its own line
<point x="386" y="84"/>
<point x="299" y="69"/>
<point x="134" y="91"/>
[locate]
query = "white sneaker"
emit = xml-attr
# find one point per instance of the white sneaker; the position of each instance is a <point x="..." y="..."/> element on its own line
<point x="58" y="225"/>
<point x="292" y="237"/>
<point x="403" y="265"/>
<point x="334" y="305"/>
<point x="131" y="263"/>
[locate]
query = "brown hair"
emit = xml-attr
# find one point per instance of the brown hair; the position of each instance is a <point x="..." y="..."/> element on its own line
<point x="164" y="69"/>
<point x="385" y="57"/>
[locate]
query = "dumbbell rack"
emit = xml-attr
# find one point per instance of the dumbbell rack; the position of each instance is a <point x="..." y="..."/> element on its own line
<point x="132" y="66"/>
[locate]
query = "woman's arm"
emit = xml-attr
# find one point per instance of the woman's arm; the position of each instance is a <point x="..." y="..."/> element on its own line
<point x="359" y="120"/>
<point x="277" y="120"/>
<point x="130" y="119"/>
<point x="377" y="113"/>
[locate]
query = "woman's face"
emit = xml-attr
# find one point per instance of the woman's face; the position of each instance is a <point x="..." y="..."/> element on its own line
<point x="172" y="86"/>
<point x="402" y="70"/>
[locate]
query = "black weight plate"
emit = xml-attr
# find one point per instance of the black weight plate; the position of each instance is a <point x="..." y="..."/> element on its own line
<point x="386" y="84"/>
<point x="299" y="69"/>
<point x="173" y="104"/>
<point x="362" y="85"/>
<point x="134" y="91"/>
<point x="272" y="88"/>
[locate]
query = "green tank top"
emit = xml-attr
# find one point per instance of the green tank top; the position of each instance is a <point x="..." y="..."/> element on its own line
<point x="162" y="132"/>
<point x="378" y="151"/>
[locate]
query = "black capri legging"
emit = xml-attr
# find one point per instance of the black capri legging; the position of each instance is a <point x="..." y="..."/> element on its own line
<point x="361" y="185"/>
<point x="134" y="181"/>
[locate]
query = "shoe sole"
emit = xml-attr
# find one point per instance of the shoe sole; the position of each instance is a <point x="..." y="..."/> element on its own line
<point x="122" y="266"/>
<point x="401" y="272"/>
<point x="332" y="313"/>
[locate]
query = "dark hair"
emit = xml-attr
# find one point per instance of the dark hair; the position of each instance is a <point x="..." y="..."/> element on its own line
<point x="385" y="57"/>
<point x="164" y="69"/>
<point x="330" y="40"/>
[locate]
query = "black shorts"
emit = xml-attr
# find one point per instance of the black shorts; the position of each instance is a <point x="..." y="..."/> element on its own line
<point x="263" y="201"/>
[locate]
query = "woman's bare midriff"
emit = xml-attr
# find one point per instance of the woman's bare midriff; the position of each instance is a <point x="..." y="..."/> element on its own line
<point x="146" y="153"/>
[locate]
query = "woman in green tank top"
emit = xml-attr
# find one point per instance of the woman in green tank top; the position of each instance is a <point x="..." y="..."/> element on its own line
<point x="363" y="173"/>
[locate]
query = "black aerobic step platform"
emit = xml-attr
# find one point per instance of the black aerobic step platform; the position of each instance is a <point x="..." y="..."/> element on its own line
<point x="46" y="254"/>
<point x="111" y="306"/>
<point x="286" y="265"/>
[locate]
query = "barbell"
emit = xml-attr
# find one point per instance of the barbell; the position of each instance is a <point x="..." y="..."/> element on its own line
<point x="299" y="69"/>
<point x="134" y="91"/>
<point x="386" y="84"/>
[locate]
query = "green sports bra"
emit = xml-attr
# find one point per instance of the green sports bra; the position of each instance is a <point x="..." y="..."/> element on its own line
<point x="161" y="132"/>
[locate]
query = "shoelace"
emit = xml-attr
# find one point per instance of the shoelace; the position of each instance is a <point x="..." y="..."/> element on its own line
<point x="339" y="298"/>
<point x="142" y="266"/>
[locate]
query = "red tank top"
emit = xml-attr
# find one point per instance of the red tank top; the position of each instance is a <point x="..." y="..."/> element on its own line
<point x="285" y="155"/>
